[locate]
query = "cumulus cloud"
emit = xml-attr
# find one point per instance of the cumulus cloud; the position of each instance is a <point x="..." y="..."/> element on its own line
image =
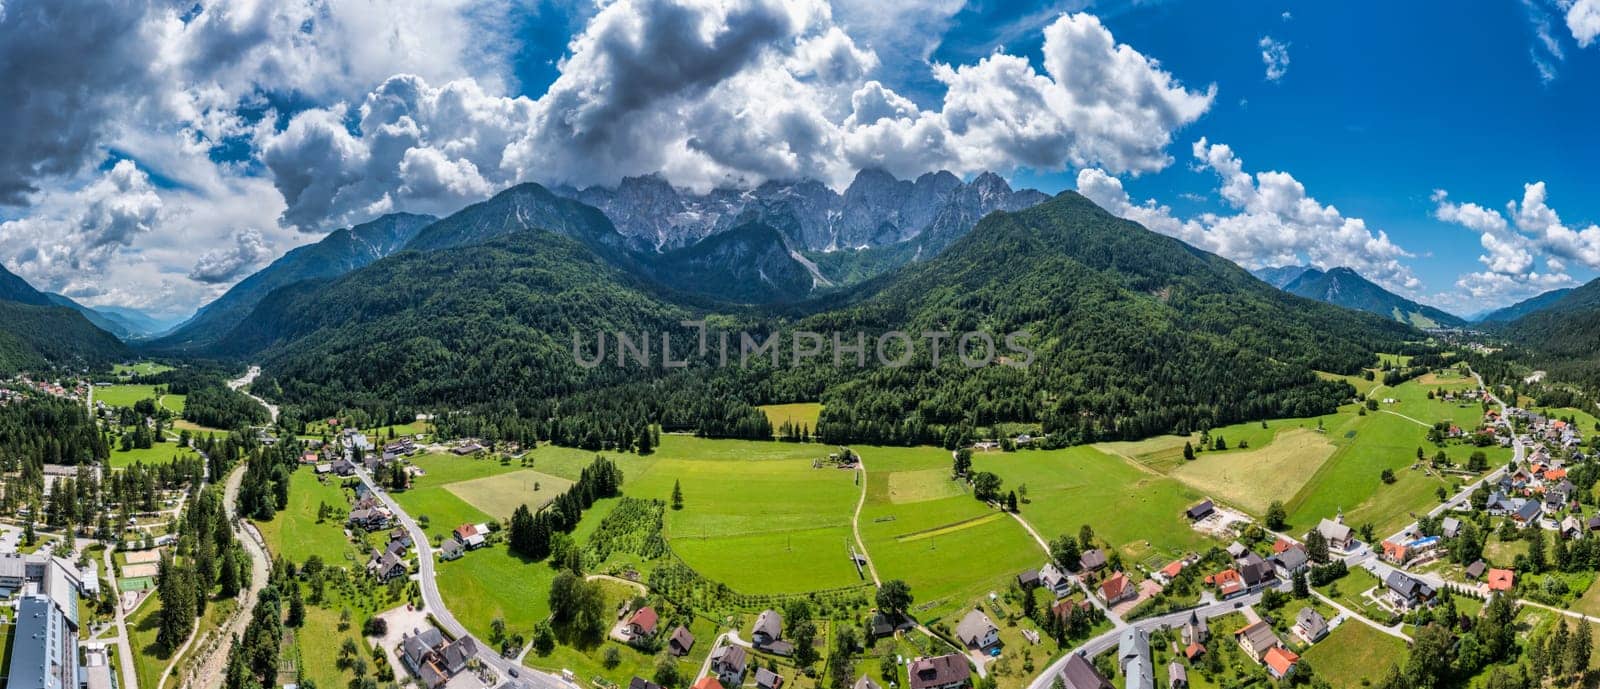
<point x="63" y="89"/>
<point x="223" y="265"/>
<point x="1529" y="232"/>
<point x="731" y="94"/>
<point x="1583" y="19"/>
<point x="1275" y="55"/>
<point x="82" y="231"/>
<point x="1275" y="222"/>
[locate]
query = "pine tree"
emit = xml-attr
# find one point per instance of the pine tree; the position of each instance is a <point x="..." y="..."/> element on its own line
<point x="644" y="442"/>
<point x="1579" y="649"/>
<point x="1301" y="589"/>
<point x="677" y="495"/>
<point x="297" y="607"/>
<point x="1188" y="451"/>
<point x="1011" y="501"/>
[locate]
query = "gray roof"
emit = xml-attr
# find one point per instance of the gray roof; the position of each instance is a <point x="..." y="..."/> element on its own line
<point x="730" y="656"/>
<point x="1529" y="510"/>
<point x="1176" y="673"/>
<point x="1093" y="558"/>
<point x="1133" y="654"/>
<point x="767" y="678"/>
<point x="1310" y="619"/>
<point x="44" y="651"/>
<point x="769" y="623"/>
<point x="866" y="683"/>
<point x="1291" y="558"/>
<point x="1080" y="674"/>
<point x="973" y="627"/>
<point x="1334" y="531"/>
<point x="1406" y="586"/>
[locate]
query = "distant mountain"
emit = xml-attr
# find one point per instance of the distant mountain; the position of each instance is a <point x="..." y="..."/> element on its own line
<point x="914" y="219"/>
<point x="36" y="333"/>
<point x="125" y="323"/>
<point x="749" y="264"/>
<point x="336" y="254"/>
<point x="1526" y="306"/>
<point x="518" y="209"/>
<point x="1345" y="287"/>
<point x="1280" y="276"/>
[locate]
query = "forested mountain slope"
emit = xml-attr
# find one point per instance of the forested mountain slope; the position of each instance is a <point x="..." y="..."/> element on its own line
<point x="1134" y="333"/>
<point x="336" y="254"/>
<point x="1346" y="287"/>
<point x="35" y="333"/>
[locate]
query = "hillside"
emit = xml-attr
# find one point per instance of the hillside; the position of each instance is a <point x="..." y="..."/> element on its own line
<point x="336" y="254"/>
<point x="1563" y="337"/>
<point x="36" y="333"/>
<point x="1345" y="287"/>
<point x="750" y="264"/>
<point x="1134" y="333"/>
<point x="36" y="337"/>
<point x="1526" y="306"/>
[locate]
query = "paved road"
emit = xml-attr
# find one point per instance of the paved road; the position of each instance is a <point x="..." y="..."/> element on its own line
<point x="434" y="603"/>
<point x="1108" y="640"/>
<point x="1116" y="621"/>
<point x="130" y="674"/>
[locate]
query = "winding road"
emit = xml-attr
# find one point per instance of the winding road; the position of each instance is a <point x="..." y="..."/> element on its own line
<point x="434" y="603"/>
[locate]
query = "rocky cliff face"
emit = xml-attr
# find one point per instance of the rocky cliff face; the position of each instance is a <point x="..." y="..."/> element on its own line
<point x="875" y="210"/>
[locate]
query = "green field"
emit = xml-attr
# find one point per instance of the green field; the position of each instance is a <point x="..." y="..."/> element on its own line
<point x="1164" y="453"/>
<point x="1137" y="510"/>
<point x="142" y="630"/>
<point x="1355" y="655"/>
<point x="751" y="502"/>
<point x="295" y="534"/>
<point x="124" y="395"/>
<point x="157" y="453"/>
<point x="431" y="496"/>
<point x="929" y="541"/>
<point x="799" y="413"/>
<point x="1251" y="479"/>
<point x="491" y="582"/>
<point x="143" y="368"/>
<point x="172" y="403"/>
<point x="500" y="494"/>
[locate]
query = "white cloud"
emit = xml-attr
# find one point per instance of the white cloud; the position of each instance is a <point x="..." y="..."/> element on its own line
<point x="225" y="265"/>
<point x="400" y="105"/>
<point x="731" y="93"/>
<point x="1515" y="242"/>
<point x="1276" y="222"/>
<point x="1275" y="55"/>
<point x="1583" y="19"/>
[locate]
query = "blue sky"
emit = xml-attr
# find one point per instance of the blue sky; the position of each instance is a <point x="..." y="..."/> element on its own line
<point x="171" y="153"/>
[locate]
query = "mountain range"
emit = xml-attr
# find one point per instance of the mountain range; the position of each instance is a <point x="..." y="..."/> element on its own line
<point x="1137" y="331"/>
<point x="1345" y="287"/>
<point x="1525" y="307"/>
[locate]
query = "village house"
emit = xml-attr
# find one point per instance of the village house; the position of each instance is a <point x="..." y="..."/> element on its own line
<point x="977" y="631"/>
<point x="1256" y="639"/>
<point x="939" y="672"/>
<point x="1195" y="630"/>
<point x="1116" y="588"/>
<point x="681" y="641"/>
<point x="728" y="663"/>
<point x="643" y="622"/>
<point x="1078" y="673"/>
<point x="1177" y="675"/>
<point x="1290" y="561"/>
<point x="1406" y="593"/>
<point x="370" y="518"/>
<point x="387" y="565"/>
<point x="1055" y="580"/>
<point x="767" y="679"/>
<point x="1310" y="625"/>
<point x="432" y="659"/>
<point x="641" y="683"/>
<point x="451" y="549"/>
<point x="767" y="634"/>
<point x="1133" y="657"/>
<point x="1028" y="579"/>
<point x="1092" y="560"/>
<point x="1200" y="511"/>
<point x="1280" y="662"/>
<point x="1501" y="580"/>
<point x="472" y="536"/>
<point x="1338" y="535"/>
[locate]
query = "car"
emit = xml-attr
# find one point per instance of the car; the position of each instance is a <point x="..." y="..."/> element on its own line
<point x="513" y="672"/>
